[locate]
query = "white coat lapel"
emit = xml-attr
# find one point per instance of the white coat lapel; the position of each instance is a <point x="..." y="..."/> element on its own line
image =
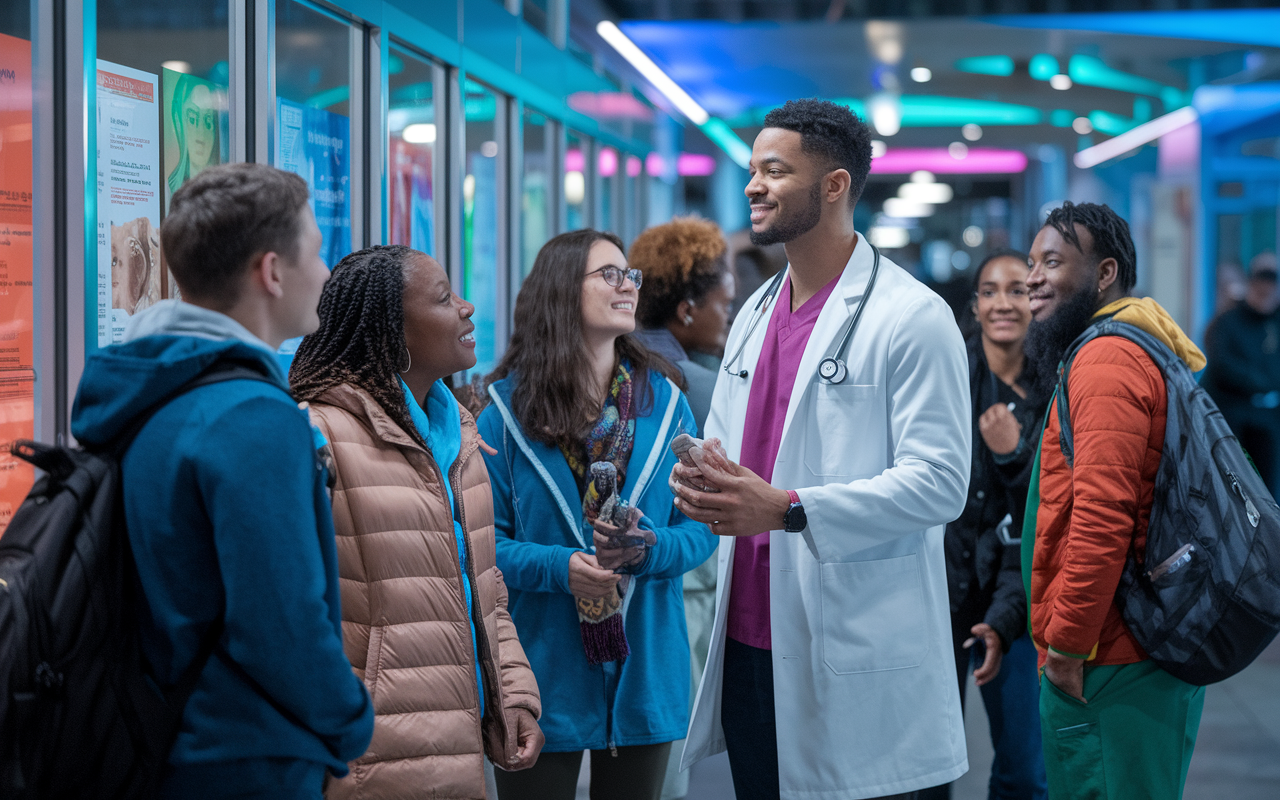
<point x="839" y="306"/>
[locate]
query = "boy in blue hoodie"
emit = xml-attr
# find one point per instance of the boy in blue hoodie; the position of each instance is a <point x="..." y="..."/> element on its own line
<point x="225" y="499"/>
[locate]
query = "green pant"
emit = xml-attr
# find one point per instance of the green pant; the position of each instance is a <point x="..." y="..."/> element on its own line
<point x="1131" y="741"/>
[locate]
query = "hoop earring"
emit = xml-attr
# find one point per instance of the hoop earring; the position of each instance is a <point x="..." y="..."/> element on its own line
<point x="409" y="358"/>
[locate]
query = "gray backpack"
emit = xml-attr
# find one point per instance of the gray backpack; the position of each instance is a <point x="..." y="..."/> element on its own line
<point x="1205" y="600"/>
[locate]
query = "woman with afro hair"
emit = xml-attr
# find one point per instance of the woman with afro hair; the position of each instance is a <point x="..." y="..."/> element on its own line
<point x="687" y="299"/>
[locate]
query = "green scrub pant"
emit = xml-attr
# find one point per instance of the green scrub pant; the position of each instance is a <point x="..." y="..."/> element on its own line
<point x="1131" y="741"/>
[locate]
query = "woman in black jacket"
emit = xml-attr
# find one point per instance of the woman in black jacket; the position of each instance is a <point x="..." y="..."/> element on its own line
<point x="984" y="575"/>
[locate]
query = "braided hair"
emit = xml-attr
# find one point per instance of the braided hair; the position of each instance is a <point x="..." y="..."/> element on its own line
<point x="1111" y="237"/>
<point x="361" y="336"/>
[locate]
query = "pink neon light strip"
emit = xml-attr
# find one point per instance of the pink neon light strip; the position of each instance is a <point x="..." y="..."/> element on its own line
<point x="900" y="161"/>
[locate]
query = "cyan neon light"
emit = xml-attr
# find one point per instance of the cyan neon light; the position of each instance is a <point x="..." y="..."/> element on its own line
<point x="930" y="111"/>
<point x="1043" y="67"/>
<point x="986" y="65"/>
<point x="329" y="97"/>
<point x="1091" y="71"/>
<point x="1246" y="26"/>
<point x="1108" y="123"/>
<point x="723" y="136"/>
<point x="1061" y="117"/>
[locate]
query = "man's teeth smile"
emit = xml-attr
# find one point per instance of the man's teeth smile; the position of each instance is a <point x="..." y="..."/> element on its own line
<point x="467" y="338"/>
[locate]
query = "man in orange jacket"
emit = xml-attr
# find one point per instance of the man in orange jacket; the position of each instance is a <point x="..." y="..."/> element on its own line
<point x="1114" y="724"/>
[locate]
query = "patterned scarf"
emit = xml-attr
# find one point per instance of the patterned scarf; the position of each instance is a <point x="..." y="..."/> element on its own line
<point x="602" y="464"/>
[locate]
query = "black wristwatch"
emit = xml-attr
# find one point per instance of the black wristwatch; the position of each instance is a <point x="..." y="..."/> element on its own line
<point x="794" y="520"/>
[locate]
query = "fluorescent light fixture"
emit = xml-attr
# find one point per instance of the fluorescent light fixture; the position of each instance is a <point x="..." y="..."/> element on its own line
<point x="979" y="161"/>
<point x="652" y="72"/>
<point x="886" y="114"/>
<point x="719" y="132"/>
<point x="1147" y="132"/>
<point x="889" y="238"/>
<point x="921" y="74"/>
<point x="922" y="176"/>
<point x="575" y="187"/>
<point x="971" y="132"/>
<point x="933" y="193"/>
<point x="986" y="65"/>
<point x="1060" y="82"/>
<point x="1082" y="125"/>
<point x="897" y="207"/>
<point x="489" y="149"/>
<point x="419" y="133"/>
<point x="176" y="66"/>
<point x="878" y="148"/>
<point x="1043" y="66"/>
<point x="1091" y="71"/>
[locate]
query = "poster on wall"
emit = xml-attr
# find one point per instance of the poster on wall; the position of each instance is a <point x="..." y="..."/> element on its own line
<point x="317" y="145"/>
<point x="411" y="218"/>
<point x="129" y="194"/>
<point x="196" y="133"/>
<point x="17" y="373"/>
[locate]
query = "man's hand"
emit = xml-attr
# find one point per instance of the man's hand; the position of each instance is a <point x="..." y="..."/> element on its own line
<point x="530" y="740"/>
<point x="1066" y="673"/>
<point x="990" y="666"/>
<point x="743" y="504"/>
<point x="587" y="579"/>
<point x="1000" y="429"/>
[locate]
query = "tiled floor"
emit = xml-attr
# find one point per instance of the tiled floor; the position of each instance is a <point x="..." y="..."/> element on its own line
<point x="1237" y="754"/>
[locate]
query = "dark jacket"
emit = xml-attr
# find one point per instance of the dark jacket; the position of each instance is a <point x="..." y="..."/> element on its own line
<point x="227" y="512"/>
<point x="1243" y="348"/>
<point x="984" y="574"/>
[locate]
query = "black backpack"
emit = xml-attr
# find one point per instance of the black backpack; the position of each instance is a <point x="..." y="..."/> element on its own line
<point x="80" y="716"/>
<point x="1205" y="600"/>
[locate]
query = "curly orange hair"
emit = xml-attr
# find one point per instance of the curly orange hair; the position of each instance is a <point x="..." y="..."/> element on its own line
<point x="683" y="259"/>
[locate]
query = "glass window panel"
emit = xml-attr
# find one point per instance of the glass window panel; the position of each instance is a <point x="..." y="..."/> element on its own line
<point x="607" y="165"/>
<point x="161" y="117"/>
<point x="17" y="251"/>
<point x="313" y="129"/>
<point x="412" y="134"/>
<point x="536" y="195"/>
<point x="480" y="208"/>
<point x="576" y="184"/>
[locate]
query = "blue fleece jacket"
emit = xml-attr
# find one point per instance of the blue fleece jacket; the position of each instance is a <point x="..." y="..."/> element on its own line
<point x="226" y="509"/>
<point x="539" y="520"/>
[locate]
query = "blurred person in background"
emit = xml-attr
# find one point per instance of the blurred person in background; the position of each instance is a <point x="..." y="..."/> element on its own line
<point x="1243" y="377"/>
<point x="1231" y="287"/>
<point x="684" y="308"/>
<point x="599" y="610"/>
<point x="425" y="621"/>
<point x="984" y="566"/>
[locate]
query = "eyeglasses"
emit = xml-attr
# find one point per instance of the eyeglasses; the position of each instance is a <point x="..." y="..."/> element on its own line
<point x="614" y="276"/>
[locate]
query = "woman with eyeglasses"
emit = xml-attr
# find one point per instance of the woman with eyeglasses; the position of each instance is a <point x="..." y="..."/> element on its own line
<point x="589" y="542"/>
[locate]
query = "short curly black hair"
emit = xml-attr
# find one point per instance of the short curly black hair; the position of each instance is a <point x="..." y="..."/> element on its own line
<point x="832" y="132"/>
<point x="1111" y="237"/>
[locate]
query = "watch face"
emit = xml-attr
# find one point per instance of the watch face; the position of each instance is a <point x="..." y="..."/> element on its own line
<point x="795" y="519"/>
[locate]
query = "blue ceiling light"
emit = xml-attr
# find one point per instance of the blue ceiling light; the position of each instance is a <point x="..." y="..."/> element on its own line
<point x="1110" y="124"/>
<point x="1092" y="71"/>
<point x="986" y="65"/>
<point x="1141" y="110"/>
<point x="1247" y="26"/>
<point x="1043" y="67"/>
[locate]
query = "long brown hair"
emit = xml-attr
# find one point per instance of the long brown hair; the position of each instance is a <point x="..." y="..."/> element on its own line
<point x="555" y="399"/>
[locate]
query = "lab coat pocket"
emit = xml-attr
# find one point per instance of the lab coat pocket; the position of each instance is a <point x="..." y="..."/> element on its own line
<point x="873" y="615"/>
<point x="843" y="439"/>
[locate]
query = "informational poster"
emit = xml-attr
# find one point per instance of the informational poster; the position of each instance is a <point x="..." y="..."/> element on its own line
<point x="317" y="145"/>
<point x="17" y="373"/>
<point x="411" y="218"/>
<point x="196" y="133"/>
<point x="129" y="195"/>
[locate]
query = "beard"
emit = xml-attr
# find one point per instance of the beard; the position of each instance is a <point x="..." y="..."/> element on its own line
<point x="788" y="228"/>
<point x="1047" y="341"/>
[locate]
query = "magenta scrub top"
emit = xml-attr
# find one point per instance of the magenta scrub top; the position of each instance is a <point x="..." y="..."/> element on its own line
<point x="775" y="376"/>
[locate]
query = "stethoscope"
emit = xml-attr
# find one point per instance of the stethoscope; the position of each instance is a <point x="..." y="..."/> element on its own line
<point x="831" y="369"/>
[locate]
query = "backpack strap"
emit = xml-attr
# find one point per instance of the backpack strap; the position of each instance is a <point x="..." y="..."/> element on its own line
<point x="1158" y="351"/>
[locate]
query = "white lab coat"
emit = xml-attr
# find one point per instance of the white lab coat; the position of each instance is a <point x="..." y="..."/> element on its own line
<point x="863" y="671"/>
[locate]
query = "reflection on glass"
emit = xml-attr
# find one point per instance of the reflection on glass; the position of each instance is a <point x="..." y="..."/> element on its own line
<point x="575" y="180"/>
<point x="480" y="218"/>
<point x="607" y="164"/>
<point x="411" y="125"/>
<point x="535" y="198"/>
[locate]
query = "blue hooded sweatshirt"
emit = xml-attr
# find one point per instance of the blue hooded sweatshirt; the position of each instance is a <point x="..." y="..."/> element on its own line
<point x="226" y="509"/>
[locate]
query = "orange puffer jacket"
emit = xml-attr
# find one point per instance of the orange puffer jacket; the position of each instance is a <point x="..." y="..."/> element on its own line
<point x="1090" y="517"/>
<point x="404" y="615"/>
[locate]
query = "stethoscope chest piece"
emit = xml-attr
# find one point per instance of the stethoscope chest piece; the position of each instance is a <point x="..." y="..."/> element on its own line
<point x="832" y="370"/>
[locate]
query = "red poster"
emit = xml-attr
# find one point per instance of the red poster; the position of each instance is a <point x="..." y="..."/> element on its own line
<point x="17" y="374"/>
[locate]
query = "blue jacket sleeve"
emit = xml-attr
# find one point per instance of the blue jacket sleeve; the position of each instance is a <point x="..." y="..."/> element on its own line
<point x="526" y="566"/>
<point x="682" y="544"/>
<point x="278" y="564"/>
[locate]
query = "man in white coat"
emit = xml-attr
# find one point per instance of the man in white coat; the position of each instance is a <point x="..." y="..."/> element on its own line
<point x="831" y="672"/>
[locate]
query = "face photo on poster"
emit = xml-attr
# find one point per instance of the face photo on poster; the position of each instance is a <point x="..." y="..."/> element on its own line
<point x="129" y="195"/>
<point x="196" y="133"/>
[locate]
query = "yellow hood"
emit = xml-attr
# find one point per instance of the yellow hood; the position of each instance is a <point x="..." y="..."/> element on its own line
<point x="1145" y="313"/>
